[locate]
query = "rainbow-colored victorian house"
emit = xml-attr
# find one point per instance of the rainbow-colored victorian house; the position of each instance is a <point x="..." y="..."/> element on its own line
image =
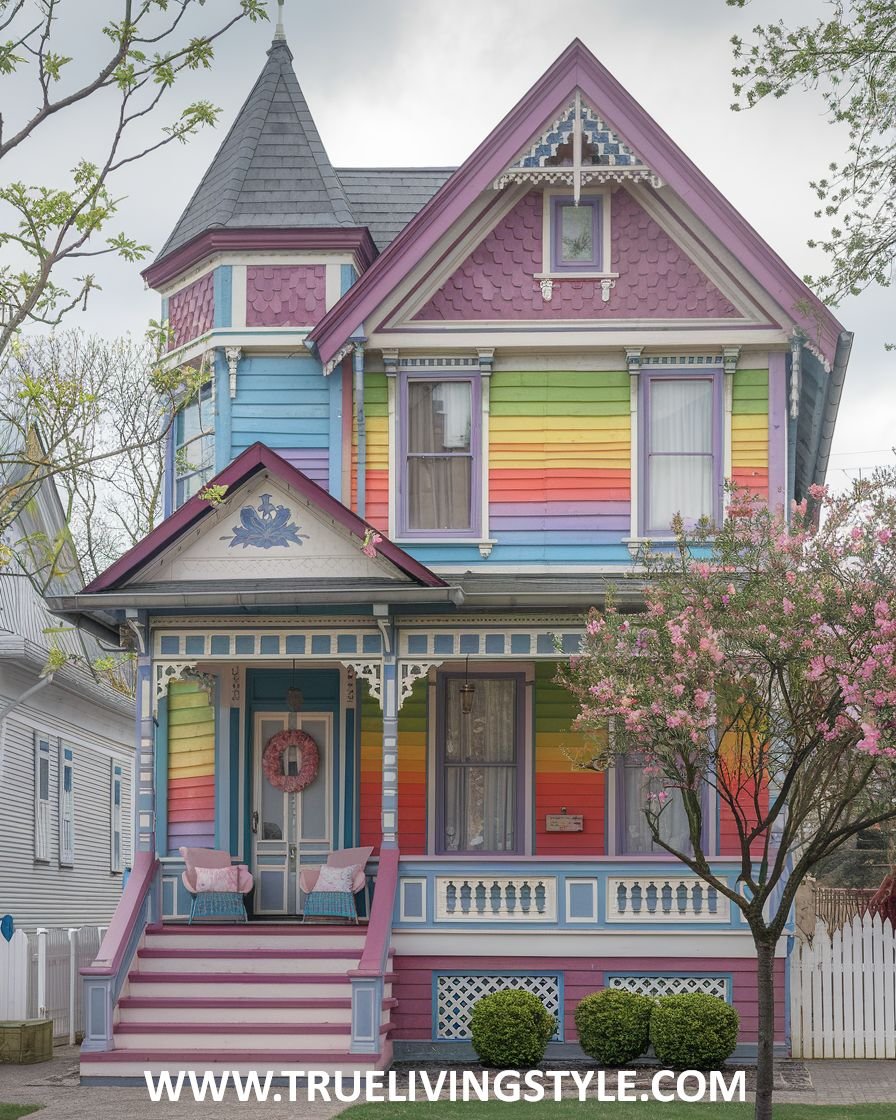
<point x="445" y="409"/>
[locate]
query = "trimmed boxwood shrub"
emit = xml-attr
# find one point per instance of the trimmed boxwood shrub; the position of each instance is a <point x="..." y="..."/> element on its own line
<point x="693" y="1031"/>
<point x="511" y="1029"/>
<point x="614" y="1026"/>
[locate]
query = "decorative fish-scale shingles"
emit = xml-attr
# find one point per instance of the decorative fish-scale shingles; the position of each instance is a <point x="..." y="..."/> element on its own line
<point x="285" y="295"/>
<point x="191" y="311"/>
<point x="655" y="276"/>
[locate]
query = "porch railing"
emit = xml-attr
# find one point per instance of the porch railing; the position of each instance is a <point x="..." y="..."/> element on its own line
<point x="572" y="894"/>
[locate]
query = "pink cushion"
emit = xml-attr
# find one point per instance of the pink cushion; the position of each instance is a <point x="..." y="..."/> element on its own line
<point x="217" y="879"/>
<point x="336" y="878"/>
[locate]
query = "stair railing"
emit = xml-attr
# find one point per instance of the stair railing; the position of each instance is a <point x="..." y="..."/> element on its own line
<point x="369" y="977"/>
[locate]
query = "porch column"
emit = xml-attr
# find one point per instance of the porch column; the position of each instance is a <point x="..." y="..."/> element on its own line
<point x="389" y="811"/>
<point x="143" y="782"/>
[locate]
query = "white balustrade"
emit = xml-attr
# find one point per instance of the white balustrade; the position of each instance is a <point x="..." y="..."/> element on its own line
<point x="661" y="899"/>
<point x="520" y="898"/>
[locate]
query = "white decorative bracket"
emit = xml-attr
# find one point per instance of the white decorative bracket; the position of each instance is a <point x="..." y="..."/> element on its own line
<point x="547" y="289"/>
<point x="233" y="355"/>
<point x="730" y="358"/>
<point x="409" y="673"/>
<point x="606" y="284"/>
<point x="372" y="672"/>
<point x="336" y="360"/>
<point x="633" y="359"/>
<point x="485" y="548"/>
<point x="168" y="671"/>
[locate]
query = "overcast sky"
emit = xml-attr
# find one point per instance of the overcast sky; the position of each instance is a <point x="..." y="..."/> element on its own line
<point x="421" y="82"/>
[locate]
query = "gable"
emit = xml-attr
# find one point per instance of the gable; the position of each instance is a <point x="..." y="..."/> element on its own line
<point x="673" y="184"/>
<point x="656" y="277"/>
<point x="266" y="530"/>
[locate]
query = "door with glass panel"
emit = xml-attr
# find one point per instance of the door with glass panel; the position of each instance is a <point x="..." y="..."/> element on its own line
<point x="480" y="766"/>
<point x="289" y="829"/>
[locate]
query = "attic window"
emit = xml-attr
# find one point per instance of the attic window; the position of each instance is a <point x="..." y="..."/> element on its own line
<point x="576" y="235"/>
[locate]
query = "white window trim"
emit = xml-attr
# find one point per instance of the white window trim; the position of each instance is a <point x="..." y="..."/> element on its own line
<point x="203" y="433"/>
<point x="66" y="805"/>
<point x="42" y="749"/>
<point x="547" y="273"/>
<point x="115" y="815"/>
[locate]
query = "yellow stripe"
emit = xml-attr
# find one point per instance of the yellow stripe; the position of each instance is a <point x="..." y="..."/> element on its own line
<point x="513" y="425"/>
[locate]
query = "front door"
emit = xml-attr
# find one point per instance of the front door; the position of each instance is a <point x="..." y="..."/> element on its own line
<point x="289" y="829"/>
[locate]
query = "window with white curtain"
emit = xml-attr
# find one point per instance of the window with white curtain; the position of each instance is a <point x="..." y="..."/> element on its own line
<point x="480" y="767"/>
<point x="41" y="798"/>
<point x="66" y="805"/>
<point x="636" y="789"/>
<point x="682" y="452"/>
<point x="440" y="457"/>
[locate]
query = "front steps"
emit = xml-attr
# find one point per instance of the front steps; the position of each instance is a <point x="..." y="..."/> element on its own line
<point x="244" y="998"/>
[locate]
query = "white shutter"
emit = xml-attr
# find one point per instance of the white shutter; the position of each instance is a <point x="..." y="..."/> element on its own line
<point x="115" y="818"/>
<point x="66" y="806"/>
<point x="41" y="799"/>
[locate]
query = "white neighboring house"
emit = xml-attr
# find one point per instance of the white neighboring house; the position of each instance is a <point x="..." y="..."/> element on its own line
<point x="66" y="755"/>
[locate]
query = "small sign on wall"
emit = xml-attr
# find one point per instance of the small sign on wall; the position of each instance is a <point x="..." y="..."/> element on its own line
<point x="564" y="822"/>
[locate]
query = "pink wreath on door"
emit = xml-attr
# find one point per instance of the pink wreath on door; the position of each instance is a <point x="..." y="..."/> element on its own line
<point x="272" y="760"/>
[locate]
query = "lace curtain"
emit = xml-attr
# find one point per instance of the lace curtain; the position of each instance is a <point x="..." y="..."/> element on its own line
<point x="440" y="458"/>
<point x="681" y="451"/>
<point x="480" y="768"/>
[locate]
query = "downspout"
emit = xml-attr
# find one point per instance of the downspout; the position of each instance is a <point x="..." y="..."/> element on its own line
<point x="832" y="403"/>
<point x="11" y="707"/>
<point x="358" y="368"/>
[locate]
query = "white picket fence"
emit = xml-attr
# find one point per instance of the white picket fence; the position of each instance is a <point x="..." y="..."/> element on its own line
<point x="843" y="991"/>
<point x="40" y="976"/>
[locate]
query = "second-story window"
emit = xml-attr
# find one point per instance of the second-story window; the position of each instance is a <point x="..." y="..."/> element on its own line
<point x="439" y="471"/>
<point x="682" y="458"/>
<point x="194" y="445"/>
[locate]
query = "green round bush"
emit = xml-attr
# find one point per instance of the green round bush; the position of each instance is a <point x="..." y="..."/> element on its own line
<point x="511" y="1029"/>
<point x="693" y="1031"/>
<point x="614" y="1026"/>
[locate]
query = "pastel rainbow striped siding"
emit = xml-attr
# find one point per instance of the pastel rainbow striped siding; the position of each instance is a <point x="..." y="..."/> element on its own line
<point x="749" y="431"/>
<point x="559" y="464"/>
<point x="191" y="767"/>
<point x="371" y="771"/>
<point x="412" y="771"/>
<point x="376" y="414"/>
<point x="557" y="785"/>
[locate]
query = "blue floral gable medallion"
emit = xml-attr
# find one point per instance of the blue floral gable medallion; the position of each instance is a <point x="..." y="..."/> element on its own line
<point x="266" y="526"/>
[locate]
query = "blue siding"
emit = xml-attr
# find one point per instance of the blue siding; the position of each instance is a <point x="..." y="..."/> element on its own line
<point x="223" y="296"/>
<point x="285" y="403"/>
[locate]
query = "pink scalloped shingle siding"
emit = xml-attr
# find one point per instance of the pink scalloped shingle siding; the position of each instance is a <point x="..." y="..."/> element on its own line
<point x="191" y="311"/>
<point x="285" y="295"/>
<point x="656" y="277"/>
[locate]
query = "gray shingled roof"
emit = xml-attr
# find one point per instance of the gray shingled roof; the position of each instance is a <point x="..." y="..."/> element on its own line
<point x="272" y="170"/>
<point x="386" y="198"/>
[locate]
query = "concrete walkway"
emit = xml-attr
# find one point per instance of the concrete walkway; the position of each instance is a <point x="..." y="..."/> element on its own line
<point x="55" y="1085"/>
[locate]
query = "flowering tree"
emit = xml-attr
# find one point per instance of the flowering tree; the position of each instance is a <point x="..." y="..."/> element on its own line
<point x="764" y="667"/>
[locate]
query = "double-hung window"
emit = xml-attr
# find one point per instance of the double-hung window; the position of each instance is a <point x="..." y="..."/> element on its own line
<point x="635" y="792"/>
<point x="682" y="450"/>
<point x="479" y="772"/>
<point x="439" y="471"/>
<point x="66" y="805"/>
<point x="194" y="445"/>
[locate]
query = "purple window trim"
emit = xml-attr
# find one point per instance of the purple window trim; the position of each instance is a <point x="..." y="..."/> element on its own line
<point x="596" y="263"/>
<point x="679" y="373"/>
<point x="619" y="769"/>
<point x="520" y="786"/>
<point x="435" y="376"/>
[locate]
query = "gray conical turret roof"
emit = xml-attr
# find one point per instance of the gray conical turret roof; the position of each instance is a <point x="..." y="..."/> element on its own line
<point x="272" y="170"/>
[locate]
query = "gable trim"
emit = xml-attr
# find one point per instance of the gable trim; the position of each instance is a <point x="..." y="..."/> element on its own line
<point x="254" y="459"/>
<point x="576" y="67"/>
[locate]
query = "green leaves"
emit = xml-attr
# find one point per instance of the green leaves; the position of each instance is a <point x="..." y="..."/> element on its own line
<point x="849" y="60"/>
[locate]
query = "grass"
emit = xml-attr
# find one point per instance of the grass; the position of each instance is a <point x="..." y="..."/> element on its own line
<point x="593" y="1110"/>
<point x="14" y="1111"/>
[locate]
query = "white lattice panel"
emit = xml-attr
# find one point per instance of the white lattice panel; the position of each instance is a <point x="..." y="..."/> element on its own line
<point x="671" y="985"/>
<point x="455" y="996"/>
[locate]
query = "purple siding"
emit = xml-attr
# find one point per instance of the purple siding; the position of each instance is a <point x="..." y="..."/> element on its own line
<point x="656" y="277"/>
<point x="285" y="295"/>
<point x="191" y="311"/>
<point x="312" y="461"/>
